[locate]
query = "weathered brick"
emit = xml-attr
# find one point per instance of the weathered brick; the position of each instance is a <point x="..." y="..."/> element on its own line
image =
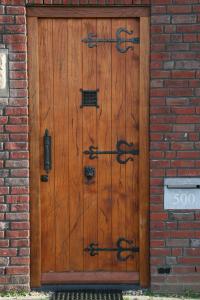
<point x="177" y="242"/>
<point x="184" y="19"/>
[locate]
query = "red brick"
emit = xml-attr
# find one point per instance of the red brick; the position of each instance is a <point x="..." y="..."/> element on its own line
<point x="183" y="110"/>
<point x="177" y="251"/>
<point x="18" y="120"/>
<point x="19" y="207"/>
<point x="17" y="199"/>
<point x="16" y="146"/>
<point x="18" y="84"/>
<point x="19" y="243"/>
<point x="4" y="190"/>
<point x="14" y="38"/>
<point x="16" y="216"/>
<point x="17" y="74"/>
<point x="160" y="252"/>
<point x="188" y="28"/>
<point x="189" y="225"/>
<point x="184" y="19"/>
<point x="179" y="9"/>
<point x="180" y="92"/>
<point x="176" y="83"/>
<point x="8" y="252"/>
<point x="6" y="19"/>
<point x="160" y="56"/>
<point x="20" y="19"/>
<point x="17" y="47"/>
<point x="20" y="261"/>
<point x="19" y="225"/>
<point x="3" y="120"/>
<point x="183" y="74"/>
<point x="184" y="128"/>
<point x="17" y="270"/>
<point x="189" y="172"/>
<point x="189" y="260"/>
<point x="20" y="173"/>
<point x="15" y="10"/>
<point x="17" y="66"/>
<point x="182" y="146"/>
<point x="17" y="233"/>
<point x="19" y="155"/>
<point x="16" y="128"/>
<point x="24" y="251"/>
<point x="15" y="28"/>
<point x="159" y="216"/>
<point x="19" y="190"/>
<point x="4" y="243"/>
<point x="182" y="163"/>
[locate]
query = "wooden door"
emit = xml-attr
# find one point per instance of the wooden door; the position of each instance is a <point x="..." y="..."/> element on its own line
<point x="89" y="106"/>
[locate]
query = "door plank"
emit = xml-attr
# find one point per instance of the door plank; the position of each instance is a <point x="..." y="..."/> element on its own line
<point x="75" y="144"/>
<point x="88" y="12"/>
<point x="104" y="143"/>
<point x="33" y="72"/>
<point x="118" y="133"/>
<point x="75" y="212"/>
<point x="91" y="277"/>
<point x="61" y="142"/>
<point x="89" y="138"/>
<point x="144" y="152"/>
<point x="132" y="136"/>
<point x="46" y="121"/>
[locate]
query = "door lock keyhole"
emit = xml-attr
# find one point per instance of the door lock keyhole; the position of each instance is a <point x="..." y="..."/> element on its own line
<point x="89" y="172"/>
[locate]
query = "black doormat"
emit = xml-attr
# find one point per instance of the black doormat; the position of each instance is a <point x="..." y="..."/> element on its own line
<point x="88" y="295"/>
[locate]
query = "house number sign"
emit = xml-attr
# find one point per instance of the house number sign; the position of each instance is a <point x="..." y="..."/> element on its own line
<point x="92" y="40"/>
<point x="3" y="73"/>
<point x="182" y="193"/>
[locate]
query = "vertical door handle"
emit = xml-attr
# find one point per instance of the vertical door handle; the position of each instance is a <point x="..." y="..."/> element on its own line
<point x="47" y="155"/>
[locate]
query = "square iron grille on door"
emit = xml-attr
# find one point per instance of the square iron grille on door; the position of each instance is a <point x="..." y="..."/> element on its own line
<point x="89" y="98"/>
<point x="88" y="295"/>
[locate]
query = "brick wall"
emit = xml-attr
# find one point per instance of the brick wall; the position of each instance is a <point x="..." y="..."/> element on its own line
<point x="175" y="145"/>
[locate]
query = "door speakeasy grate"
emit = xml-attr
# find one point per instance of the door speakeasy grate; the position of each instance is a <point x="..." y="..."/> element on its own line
<point x="88" y="295"/>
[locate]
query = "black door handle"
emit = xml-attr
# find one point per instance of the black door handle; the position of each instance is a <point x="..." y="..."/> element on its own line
<point x="47" y="155"/>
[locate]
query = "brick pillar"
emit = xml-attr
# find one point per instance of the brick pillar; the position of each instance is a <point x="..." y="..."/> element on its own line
<point x="175" y="123"/>
<point x="14" y="189"/>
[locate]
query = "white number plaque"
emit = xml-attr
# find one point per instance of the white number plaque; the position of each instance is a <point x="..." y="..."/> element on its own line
<point x="182" y="193"/>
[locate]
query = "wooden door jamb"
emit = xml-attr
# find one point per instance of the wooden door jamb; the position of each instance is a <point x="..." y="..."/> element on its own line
<point x="33" y="14"/>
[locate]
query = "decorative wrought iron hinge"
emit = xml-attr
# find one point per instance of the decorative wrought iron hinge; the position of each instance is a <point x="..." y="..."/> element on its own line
<point x="93" y="152"/>
<point x="92" y="40"/>
<point x="93" y="249"/>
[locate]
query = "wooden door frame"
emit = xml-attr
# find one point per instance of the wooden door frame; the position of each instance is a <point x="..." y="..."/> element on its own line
<point x="33" y="14"/>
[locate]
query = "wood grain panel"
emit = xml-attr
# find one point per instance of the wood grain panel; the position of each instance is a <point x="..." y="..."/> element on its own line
<point x="73" y="211"/>
<point x="91" y="277"/>
<point x="144" y="152"/>
<point x="61" y="143"/>
<point x="34" y="126"/>
<point x="118" y="133"/>
<point x="132" y="136"/>
<point x="89" y="138"/>
<point x="46" y="121"/>
<point x="75" y="144"/>
<point x="104" y="143"/>
<point x="88" y="12"/>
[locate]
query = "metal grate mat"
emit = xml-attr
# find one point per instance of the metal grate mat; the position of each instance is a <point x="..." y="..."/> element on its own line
<point x="88" y="295"/>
